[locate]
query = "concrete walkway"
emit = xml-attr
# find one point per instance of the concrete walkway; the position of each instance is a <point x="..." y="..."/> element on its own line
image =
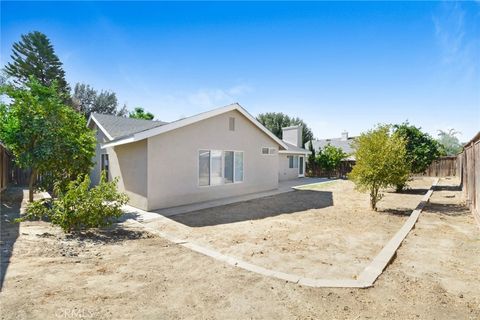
<point x="366" y="278"/>
<point x="283" y="186"/>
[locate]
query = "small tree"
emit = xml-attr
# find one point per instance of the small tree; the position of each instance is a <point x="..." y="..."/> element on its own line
<point x="380" y="162"/>
<point x="421" y="148"/>
<point x="329" y="158"/>
<point x="79" y="207"/>
<point x="45" y="135"/>
<point x="139" y="113"/>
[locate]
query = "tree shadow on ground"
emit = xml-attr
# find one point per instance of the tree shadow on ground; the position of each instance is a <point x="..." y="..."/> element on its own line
<point x="419" y="191"/>
<point x="109" y="235"/>
<point x="11" y="200"/>
<point x="285" y="203"/>
<point x="404" y="212"/>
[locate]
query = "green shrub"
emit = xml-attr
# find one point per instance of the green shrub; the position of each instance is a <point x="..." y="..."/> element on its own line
<point x="79" y="207"/>
<point x="380" y="162"/>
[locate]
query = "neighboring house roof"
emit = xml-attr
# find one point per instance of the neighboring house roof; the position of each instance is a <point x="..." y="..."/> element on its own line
<point x="344" y="144"/>
<point x="166" y="127"/>
<point x="294" y="149"/>
<point x="115" y="127"/>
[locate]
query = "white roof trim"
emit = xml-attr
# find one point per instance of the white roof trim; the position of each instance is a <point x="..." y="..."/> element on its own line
<point x="294" y="152"/>
<point x="99" y="126"/>
<point x="190" y="120"/>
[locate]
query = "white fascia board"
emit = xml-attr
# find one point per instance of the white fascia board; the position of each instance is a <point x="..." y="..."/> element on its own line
<point x="294" y="152"/>
<point x="190" y="120"/>
<point x="92" y="118"/>
<point x="118" y="142"/>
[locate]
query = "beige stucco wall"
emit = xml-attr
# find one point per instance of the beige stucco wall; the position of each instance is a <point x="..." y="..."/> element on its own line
<point x="173" y="161"/>
<point x="284" y="172"/>
<point x="128" y="163"/>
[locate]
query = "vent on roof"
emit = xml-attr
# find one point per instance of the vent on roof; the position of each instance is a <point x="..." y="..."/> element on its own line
<point x="231" y="124"/>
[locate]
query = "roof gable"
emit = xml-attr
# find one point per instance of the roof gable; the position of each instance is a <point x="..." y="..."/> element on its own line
<point x="193" y="119"/>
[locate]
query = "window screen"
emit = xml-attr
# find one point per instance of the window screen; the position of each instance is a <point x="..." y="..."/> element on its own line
<point x="216" y="167"/>
<point x="204" y="167"/>
<point x="228" y="159"/>
<point x="238" y="166"/>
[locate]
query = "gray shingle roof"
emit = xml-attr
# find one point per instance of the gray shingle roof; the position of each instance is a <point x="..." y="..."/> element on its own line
<point x="121" y="126"/>
<point x="345" y="145"/>
<point x="294" y="148"/>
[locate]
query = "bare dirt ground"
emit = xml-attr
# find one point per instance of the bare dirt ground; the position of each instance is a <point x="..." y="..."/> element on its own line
<point x="322" y="231"/>
<point x="125" y="273"/>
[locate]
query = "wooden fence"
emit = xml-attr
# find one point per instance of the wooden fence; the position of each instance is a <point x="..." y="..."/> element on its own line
<point x="343" y="169"/>
<point x="468" y="168"/>
<point x="442" y="167"/>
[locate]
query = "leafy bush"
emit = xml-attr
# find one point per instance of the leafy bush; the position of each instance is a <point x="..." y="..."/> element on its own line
<point x="329" y="158"/>
<point x="380" y="162"/>
<point x="422" y="149"/>
<point x="80" y="207"/>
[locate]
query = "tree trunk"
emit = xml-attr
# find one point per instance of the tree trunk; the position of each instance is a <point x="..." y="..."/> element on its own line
<point x="31" y="183"/>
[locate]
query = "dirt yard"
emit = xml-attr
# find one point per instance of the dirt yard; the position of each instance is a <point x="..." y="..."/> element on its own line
<point x="125" y="273"/>
<point x="325" y="230"/>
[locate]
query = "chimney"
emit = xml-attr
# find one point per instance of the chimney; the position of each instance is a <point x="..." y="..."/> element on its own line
<point x="344" y="136"/>
<point x="293" y="135"/>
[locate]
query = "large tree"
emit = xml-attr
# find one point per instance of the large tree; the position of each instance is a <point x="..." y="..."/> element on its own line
<point x="45" y="135"/>
<point x="422" y="149"/>
<point x="449" y="143"/>
<point x="380" y="162"/>
<point x="275" y="121"/>
<point x="34" y="56"/>
<point x="140" y="113"/>
<point x="87" y="100"/>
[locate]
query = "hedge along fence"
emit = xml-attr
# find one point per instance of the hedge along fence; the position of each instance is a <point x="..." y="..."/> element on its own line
<point x="468" y="168"/>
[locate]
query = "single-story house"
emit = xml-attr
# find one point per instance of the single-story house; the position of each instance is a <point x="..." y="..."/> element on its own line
<point x="344" y="143"/>
<point x="220" y="153"/>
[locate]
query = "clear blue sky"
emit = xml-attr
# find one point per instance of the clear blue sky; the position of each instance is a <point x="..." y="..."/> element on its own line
<point x="339" y="66"/>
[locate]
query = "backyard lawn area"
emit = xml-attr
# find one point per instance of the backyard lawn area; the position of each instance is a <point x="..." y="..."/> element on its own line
<point x="323" y="231"/>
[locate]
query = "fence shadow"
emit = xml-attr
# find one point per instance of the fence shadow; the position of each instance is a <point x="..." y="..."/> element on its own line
<point x="450" y="209"/>
<point x="285" y="203"/>
<point x="448" y="188"/>
<point x="11" y="200"/>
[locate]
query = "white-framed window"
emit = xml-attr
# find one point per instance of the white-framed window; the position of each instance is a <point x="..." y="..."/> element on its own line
<point x="267" y="150"/>
<point x="216" y="167"/>
<point x="292" y="162"/>
<point x="105" y="165"/>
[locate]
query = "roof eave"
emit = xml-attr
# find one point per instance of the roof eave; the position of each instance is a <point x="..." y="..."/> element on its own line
<point x="187" y="121"/>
